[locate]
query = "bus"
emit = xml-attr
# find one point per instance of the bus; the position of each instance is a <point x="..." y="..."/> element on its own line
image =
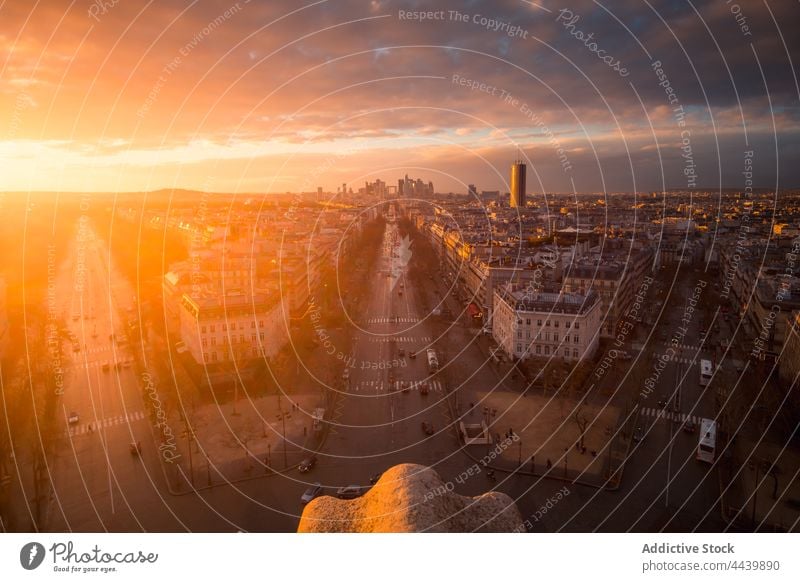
<point x="433" y="361"/>
<point x="708" y="440"/>
<point x="706" y="370"/>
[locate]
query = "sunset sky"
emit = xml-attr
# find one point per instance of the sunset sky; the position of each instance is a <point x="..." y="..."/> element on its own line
<point x="285" y="96"/>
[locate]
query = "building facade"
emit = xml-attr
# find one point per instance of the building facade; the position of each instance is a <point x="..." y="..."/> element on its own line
<point x="563" y="326"/>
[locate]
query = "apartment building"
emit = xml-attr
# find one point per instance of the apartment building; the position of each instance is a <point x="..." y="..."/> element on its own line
<point x="563" y="326"/>
<point x="238" y="326"/>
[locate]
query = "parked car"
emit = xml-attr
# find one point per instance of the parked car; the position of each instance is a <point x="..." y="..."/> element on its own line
<point x="427" y="427"/>
<point x="412" y="354"/>
<point x="307" y="464"/>
<point x="350" y="492"/>
<point x="106" y="366"/>
<point x="311" y="493"/>
<point x="73" y="418"/>
<point x="423" y="388"/>
<point x="689" y="426"/>
<point x="401" y="352"/>
<point x="638" y="434"/>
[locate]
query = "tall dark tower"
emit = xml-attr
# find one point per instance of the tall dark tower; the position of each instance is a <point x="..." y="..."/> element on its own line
<point x="517" y="184"/>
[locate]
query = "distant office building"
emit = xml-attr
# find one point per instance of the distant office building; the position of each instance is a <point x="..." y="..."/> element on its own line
<point x="517" y="185"/>
<point x="409" y="187"/>
<point x="472" y="191"/>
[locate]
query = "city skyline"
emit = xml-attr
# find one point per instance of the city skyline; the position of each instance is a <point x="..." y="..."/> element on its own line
<point x="243" y="97"/>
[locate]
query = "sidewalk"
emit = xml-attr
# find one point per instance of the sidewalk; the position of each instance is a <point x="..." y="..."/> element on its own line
<point x="777" y="499"/>
<point x="553" y="435"/>
<point x="235" y="442"/>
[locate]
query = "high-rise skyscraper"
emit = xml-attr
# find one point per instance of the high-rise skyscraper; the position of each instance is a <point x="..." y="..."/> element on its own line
<point x="517" y="184"/>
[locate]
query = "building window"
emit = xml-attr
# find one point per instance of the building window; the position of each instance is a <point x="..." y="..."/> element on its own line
<point x="575" y="339"/>
<point x="213" y="328"/>
<point x="519" y="335"/>
<point x="566" y="353"/>
<point x="203" y="329"/>
<point x="555" y="323"/>
<point x="204" y="342"/>
<point x="205" y="357"/>
<point x="538" y="349"/>
<point x="555" y="337"/>
<point x="546" y="350"/>
<point x="577" y="325"/>
<point x="252" y="325"/>
<point x="261" y="323"/>
<point x="527" y="322"/>
<point x="527" y="335"/>
<point x="547" y="336"/>
<point x="567" y="324"/>
<point x="253" y="338"/>
<point x="261" y="336"/>
<point x="547" y="323"/>
<point x="213" y="341"/>
<point x="539" y="322"/>
<point x="519" y="348"/>
<point x="213" y="356"/>
<point x="224" y="327"/>
<point x="574" y="353"/>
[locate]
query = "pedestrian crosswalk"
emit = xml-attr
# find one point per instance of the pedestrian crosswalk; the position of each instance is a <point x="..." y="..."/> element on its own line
<point x="682" y="360"/>
<point x="659" y="413"/>
<point x="105" y="423"/>
<point x="398" y="385"/>
<point x="399" y="339"/>
<point x="394" y="320"/>
<point x="108" y="365"/>
<point x="685" y="347"/>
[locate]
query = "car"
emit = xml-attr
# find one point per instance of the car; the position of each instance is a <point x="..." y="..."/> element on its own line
<point x="638" y="435"/>
<point x="350" y="492"/>
<point x="106" y="366"/>
<point x="73" y="418"/>
<point x="427" y="427"/>
<point x="346" y="373"/>
<point x="400" y="293"/>
<point x="662" y="403"/>
<point x="311" y="493"/>
<point x="76" y="348"/>
<point x="401" y="352"/>
<point x="307" y="464"/>
<point x="689" y="426"/>
<point x="412" y="355"/>
<point x="423" y="388"/>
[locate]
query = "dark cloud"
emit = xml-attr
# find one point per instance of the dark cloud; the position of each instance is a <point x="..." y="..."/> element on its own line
<point x="166" y="73"/>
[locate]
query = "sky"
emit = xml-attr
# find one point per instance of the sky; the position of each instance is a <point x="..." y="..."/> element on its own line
<point x="118" y="95"/>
